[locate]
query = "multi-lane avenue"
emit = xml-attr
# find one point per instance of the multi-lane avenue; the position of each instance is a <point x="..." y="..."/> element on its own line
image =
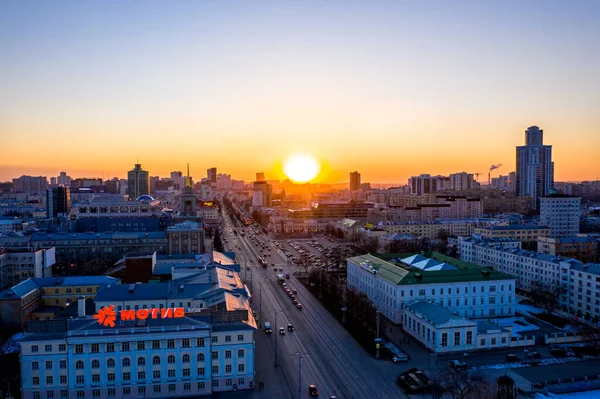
<point x="332" y="360"/>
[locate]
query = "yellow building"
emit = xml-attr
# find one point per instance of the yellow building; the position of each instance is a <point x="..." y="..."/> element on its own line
<point x="516" y="231"/>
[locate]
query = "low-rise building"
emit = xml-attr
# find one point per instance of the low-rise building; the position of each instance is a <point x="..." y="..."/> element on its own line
<point x="20" y="264"/>
<point x="185" y="238"/>
<point x="585" y="249"/>
<point x="458" y="227"/>
<point x="518" y="232"/>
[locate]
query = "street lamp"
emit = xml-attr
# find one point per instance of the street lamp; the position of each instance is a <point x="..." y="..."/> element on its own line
<point x="526" y="351"/>
<point x="300" y="357"/>
<point x="276" y="334"/>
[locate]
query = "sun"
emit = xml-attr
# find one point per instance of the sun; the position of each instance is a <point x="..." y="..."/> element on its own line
<point x="301" y="168"/>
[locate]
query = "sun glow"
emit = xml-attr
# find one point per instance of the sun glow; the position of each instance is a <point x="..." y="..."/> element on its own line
<point x="301" y="168"/>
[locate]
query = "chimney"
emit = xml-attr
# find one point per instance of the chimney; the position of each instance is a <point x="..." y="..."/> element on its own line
<point x="81" y="306"/>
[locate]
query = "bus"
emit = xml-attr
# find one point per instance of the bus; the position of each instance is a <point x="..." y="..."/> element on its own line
<point x="281" y="278"/>
<point x="268" y="328"/>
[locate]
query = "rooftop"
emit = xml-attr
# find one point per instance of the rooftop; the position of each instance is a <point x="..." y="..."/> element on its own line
<point x="515" y="227"/>
<point x="31" y="284"/>
<point x="435" y="314"/>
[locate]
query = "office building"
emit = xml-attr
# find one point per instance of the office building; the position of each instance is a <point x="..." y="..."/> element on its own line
<point x="30" y="184"/>
<point x="354" y="181"/>
<point x="138" y="182"/>
<point x="58" y="201"/>
<point x="262" y="194"/>
<point x="561" y="213"/>
<point x="535" y="169"/>
<point x="260" y="176"/>
<point x="185" y="238"/>
<point x="20" y="264"/>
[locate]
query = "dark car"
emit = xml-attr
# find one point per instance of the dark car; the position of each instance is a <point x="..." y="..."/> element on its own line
<point x="558" y="352"/>
<point x="512" y="358"/>
<point x="290" y="327"/>
<point x="312" y="390"/>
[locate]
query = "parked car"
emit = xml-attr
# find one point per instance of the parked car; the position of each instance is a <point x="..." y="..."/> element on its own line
<point x="312" y="390"/>
<point x="512" y="358"/>
<point x="558" y="352"/>
<point x="458" y="365"/>
<point x="535" y="355"/>
<point x="400" y="359"/>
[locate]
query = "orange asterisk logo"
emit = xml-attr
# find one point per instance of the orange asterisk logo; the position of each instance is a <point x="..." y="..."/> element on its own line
<point x="106" y="316"/>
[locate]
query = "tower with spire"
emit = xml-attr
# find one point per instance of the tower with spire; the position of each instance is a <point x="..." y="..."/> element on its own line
<point x="188" y="198"/>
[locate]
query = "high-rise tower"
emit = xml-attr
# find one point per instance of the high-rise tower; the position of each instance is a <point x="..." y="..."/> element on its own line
<point x="535" y="169"/>
<point x="188" y="198"/>
<point x="354" y="181"/>
<point x="138" y="182"/>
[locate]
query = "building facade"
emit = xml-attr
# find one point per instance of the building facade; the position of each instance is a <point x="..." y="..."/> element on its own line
<point x="513" y="231"/>
<point x="138" y="182"/>
<point x="584" y="249"/>
<point x="30" y="184"/>
<point x="58" y="201"/>
<point x="185" y="238"/>
<point x="535" y="169"/>
<point x="20" y="264"/>
<point x="561" y="213"/>
<point x="354" y="181"/>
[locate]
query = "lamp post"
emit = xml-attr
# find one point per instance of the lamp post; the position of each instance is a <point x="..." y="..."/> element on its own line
<point x="377" y="339"/>
<point x="526" y="351"/>
<point x="300" y="357"/>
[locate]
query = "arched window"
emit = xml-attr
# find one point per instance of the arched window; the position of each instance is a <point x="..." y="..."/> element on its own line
<point x="186" y="358"/>
<point x="171" y="359"/>
<point x="156" y="360"/>
<point x="95" y="364"/>
<point x="200" y="357"/>
<point x="141" y="361"/>
<point x="110" y="363"/>
<point x="126" y="362"/>
<point x="79" y="365"/>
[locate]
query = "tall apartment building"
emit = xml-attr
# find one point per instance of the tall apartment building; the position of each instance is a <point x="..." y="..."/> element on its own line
<point x="138" y="182"/>
<point x="260" y="176"/>
<point x="354" y="181"/>
<point x="423" y="184"/>
<point x="561" y="213"/>
<point x="58" y="201"/>
<point x="262" y="194"/>
<point x="535" y="169"/>
<point x="30" y="184"/>
<point x="462" y="181"/>
<point x="211" y="175"/>
<point x="63" y="179"/>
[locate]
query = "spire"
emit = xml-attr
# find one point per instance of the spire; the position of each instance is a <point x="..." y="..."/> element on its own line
<point x="187" y="180"/>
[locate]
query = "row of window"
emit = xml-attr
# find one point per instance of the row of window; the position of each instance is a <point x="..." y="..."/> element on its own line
<point x="141" y="361"/>
<point x="111" y="392"/>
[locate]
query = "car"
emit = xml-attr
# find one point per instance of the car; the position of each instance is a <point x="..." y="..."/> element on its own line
<point x="275" y="269"/>
<point x="295" y="291"/>
<point x="281" y="331"/>
<point x="458" y="365"/>
<point x="512" y="358"/>
<point x="558" y="352"/>
<point x="295" y="301"/>
<point x="272" y="263"/>
<point x="299" y="306"/>
<point x="535" y="355"/>
<point x="290" y="327"/>
<point x="293" y="297"/>
<point x="281" y="269"/>
<point x="312" y="390"/>
<point x="287" y="275"/>
<point x="247" y="267"/>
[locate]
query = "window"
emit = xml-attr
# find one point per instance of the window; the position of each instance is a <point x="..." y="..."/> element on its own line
<point x="482" y="341"/>
<point x="444" y="339"/>
<point x="503" y="339"/>
<point x="79" y="349"/>
<point x="240" y="337"/>
<point x="457" y="338"/>
<point x="156" y="344"/>
<point x="469" y="337"/>
<point x="156" y="374"/>
<point x="141" y="390"/>
<point x="241" y="368"/>
<point x="125" y="346"/>
<point x="141" y="345"/>
<point x="49" y="380"/>
<point x="228" y="338"/>
<point x="48" y="348"/>
<point x="214" y="339"/>
<point x="493" y="341"/>
<point x="241" y="381"/>
<point x="79" y="379"/>
<point x="64" y="393"/>
<point x="240" y="353"/>
<point x="110" y="363"/>
<point x="421" y="292"/>
<point x="126" y="391"/>
<point x="215" y="355"/>
<point x="35" y="348"/>
<point x="186" y="372"/>
<point x="126" y="376"/>
<point x="63" y="379"/>
<point x="126" y="362"/>
<point x="156" y="360"/>
<point x="449" y="291"/>
<point x="35" y="380"/>
<point x="215" y="369"/>
<point x="110" y="347"/>
<point x="111" y="392"/>
<point x="171" y="387"/>
<point x="79" y="365"/>
<point x="228" y="354"/>
<point x="492" y="300"/>
<point x="171" y="359"/>
<point x="110" y="376"/>
<point x="171" y="373"/>
<point x="199" y="341"/>
<point x="95" y="364"/>
<point x="36" y="395"/>
<point x="215" y="383"/>
<point x="170" y="343"/>
<point x="186" y="358"/>
<point x="201" y="385"/>
<point x="62" y="347"/>
<point x="141" y="375"/>
<point x="95" y="348"/>
<point x="200" y="371"/>
<point x="35" y="365"/>
<point x="187" y="386"/>
<point x="96" y="393"/>
<point x="81" y="394"/>
<point x="185" y="343"/>
<point x="95" y="377"/>
<point x="141" y="361"/>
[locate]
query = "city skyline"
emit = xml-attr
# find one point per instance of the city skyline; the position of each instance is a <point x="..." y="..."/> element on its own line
<point x="392" y="89"/>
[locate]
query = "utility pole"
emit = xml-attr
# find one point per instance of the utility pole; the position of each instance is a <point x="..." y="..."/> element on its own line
<point x="377" y="339"/>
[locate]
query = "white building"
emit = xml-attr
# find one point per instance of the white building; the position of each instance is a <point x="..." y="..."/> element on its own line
<point x="561" y="213"/>
<point x="471" y="291"/>
<point x="106" y="207"/>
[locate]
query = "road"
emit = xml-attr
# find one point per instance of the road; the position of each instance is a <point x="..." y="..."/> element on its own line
<point x="332" y="360"/>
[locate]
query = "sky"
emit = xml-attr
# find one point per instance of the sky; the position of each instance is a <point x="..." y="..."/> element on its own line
<point x="391" y="89"/>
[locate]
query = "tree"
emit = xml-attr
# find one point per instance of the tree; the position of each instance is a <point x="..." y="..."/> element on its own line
<point x="217" y="243"/>
<point x="461" y="385"/>
<point x="547" y="296"/>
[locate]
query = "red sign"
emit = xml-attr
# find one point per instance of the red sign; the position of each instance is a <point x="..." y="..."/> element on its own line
<point x="107" y="315"/>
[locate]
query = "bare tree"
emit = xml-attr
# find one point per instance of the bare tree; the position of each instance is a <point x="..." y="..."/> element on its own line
<point x="462" y="385"/>
<point x="547" y="296"/>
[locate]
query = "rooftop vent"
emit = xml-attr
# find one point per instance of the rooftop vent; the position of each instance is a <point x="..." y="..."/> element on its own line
<point x="131" y="288"/>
